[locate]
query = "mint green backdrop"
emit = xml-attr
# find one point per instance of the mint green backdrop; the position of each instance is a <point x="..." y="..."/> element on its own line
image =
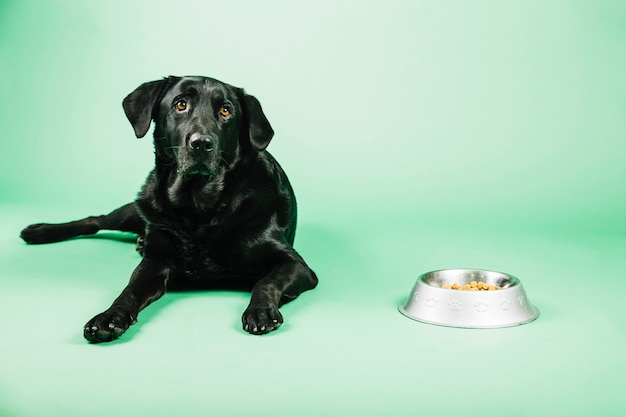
<point x="418" y="135"/>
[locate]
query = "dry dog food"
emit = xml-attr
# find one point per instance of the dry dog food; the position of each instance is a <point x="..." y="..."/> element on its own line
<point x="472" y="286"/>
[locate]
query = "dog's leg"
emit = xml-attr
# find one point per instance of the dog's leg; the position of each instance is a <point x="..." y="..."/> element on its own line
<point x="125" y="218"/>
<point x="147" y="284"/>
<point x="284" y="283"/>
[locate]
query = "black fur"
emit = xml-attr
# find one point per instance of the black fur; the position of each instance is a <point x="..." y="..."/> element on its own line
<point x="216" y="209"/>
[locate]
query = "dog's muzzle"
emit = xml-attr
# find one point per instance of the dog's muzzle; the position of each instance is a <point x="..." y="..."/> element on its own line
<point x="199" y="156"/>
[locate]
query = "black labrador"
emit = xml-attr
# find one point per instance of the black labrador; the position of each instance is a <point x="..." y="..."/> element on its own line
<point x="216" y="209"/>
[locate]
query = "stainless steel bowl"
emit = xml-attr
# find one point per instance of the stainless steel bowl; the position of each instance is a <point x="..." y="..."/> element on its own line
<point x="504" y="307"/>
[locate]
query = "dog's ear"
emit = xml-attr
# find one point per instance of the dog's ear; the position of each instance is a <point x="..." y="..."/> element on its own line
<point x="139" y="105"/>
<point x="259" y="128"/>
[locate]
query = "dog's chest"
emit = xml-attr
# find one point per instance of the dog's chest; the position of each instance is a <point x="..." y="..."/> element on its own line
<point x="207" y="253"/>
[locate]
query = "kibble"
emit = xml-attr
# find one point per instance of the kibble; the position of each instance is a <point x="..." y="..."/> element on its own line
<point x="472" y="286"/>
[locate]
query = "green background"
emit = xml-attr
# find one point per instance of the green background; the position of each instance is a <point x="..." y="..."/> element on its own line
<point x="418" y="135"/>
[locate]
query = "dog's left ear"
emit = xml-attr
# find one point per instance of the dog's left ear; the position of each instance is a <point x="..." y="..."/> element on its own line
<point x="140" y="105"/>
<point x="259" y="127"/>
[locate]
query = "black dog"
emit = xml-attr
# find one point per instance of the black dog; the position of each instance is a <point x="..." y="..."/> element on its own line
<point x="217" y="207"/>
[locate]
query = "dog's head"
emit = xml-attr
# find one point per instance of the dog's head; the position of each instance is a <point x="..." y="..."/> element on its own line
<point x="202" y="125"/>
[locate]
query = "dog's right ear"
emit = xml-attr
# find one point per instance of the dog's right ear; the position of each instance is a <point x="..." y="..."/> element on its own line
<point x="140" y="105"/>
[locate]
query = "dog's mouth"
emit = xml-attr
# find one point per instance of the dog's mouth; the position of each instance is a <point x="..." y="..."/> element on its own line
<point x="195" y="165"/>
<point x="199" y="169"/>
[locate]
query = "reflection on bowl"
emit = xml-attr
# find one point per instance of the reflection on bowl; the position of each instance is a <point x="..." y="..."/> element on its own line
<point x="506" y="306"/>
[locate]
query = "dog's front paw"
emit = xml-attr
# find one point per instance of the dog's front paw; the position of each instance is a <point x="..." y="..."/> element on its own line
<point x="261" y="318"/>
<point x="108" y="326"/>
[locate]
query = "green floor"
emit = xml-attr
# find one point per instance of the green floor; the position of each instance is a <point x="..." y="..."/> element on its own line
<point x="344" y="349"/>
<point x="418" y="135"/>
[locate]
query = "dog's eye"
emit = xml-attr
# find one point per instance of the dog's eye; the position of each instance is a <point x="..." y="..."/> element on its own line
<point x="181" y="105"/>
<point x="224" y="112"/>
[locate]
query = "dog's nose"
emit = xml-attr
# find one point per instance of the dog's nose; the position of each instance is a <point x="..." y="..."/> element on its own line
<point x="199" y="142"/>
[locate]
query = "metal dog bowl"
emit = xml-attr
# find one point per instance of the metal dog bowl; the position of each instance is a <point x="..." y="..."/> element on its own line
<point x="506" y="306"/>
